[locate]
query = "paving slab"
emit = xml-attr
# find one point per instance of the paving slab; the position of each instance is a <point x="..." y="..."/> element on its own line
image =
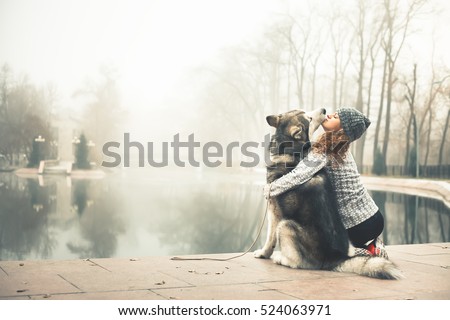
<point x="421" y="249"/>
<point x="26" y="284"/>
<point x="353" y="287"/>
<point x="122" y="281"/>
<point x="104" y="295"/>
<point x="225" y="292"/>
<point x="425" y="266"/>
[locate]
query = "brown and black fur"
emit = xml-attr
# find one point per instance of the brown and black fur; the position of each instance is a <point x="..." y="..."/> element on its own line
<point x="304" y="220"/>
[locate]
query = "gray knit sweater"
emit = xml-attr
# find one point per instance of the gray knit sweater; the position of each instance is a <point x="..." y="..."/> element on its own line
<point x="354" y="203"/>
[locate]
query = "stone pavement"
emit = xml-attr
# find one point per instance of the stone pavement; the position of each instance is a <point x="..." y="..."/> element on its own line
<point x="425" y="266"/>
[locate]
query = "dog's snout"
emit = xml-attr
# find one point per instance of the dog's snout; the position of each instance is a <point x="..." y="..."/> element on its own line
<point x="323" y="111"/>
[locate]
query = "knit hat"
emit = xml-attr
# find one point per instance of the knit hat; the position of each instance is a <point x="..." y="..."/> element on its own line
<point x="353" y="122"/>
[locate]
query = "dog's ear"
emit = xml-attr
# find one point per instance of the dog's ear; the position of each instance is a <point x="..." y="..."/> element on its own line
<point x="273" y="120"/>
<point x="296" y="132"/>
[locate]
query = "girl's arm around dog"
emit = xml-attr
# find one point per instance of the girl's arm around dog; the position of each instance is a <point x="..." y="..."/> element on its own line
<point x="302" y="173"/>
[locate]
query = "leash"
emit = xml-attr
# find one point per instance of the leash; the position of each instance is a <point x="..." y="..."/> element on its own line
<point x="239" y="255"/>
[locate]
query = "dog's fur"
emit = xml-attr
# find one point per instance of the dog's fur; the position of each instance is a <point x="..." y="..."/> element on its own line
<point x="305" y="220"/>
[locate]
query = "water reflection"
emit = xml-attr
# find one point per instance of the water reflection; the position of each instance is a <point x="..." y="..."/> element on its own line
<point x="26" y="225"/>
<point x="57" y="218"/>
<point x="80" y="196"/>
<point x="100" y="220"/>
<point x="209" y="220"/>
<point x="135" y="214"/>
<point x="412" y="219"/>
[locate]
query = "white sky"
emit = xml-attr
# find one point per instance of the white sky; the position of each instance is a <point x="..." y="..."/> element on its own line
<point x="151" y="43"/>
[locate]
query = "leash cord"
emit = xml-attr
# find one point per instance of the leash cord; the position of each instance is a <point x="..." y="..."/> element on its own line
<point x="239" y="255"/>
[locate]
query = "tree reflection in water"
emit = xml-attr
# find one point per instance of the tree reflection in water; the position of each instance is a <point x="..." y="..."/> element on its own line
<point x="216" y="219"/>
<point x="100" y="222"/>
<point x="80" y="196"/>
<point x="411" y="219"/>
<point x="35" y="215"/>
<point x="26" y="217"/>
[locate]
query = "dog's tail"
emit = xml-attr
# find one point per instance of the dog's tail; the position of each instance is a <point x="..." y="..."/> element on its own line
<point x="374" y="267"/>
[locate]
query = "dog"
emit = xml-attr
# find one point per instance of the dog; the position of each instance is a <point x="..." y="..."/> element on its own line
<point x="305" y="221"/>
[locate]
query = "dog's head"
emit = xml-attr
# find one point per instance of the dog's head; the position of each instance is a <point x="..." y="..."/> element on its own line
<point x="298" y="125"/>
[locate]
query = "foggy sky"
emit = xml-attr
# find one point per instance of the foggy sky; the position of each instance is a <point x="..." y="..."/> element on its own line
<point x="153" y="44"/>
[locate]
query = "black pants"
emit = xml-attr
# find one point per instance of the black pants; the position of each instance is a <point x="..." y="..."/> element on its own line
<point x="366" y="230"/>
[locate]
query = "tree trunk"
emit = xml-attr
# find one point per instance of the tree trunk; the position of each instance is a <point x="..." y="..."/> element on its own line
<point x="380" y="110"/>
<point x="441" y="147"/>
<point x="359" y="152"/>
<point x="411" y="98"/>
<point x="427" y="152"/>
<point x="388" y="112"/>
<point x="408" y="138"/>
<point x="335" y="84"/>
<point x="313" y="89"/>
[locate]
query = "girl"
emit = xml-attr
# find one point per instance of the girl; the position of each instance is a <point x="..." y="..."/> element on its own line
<point x="358" y="211"/>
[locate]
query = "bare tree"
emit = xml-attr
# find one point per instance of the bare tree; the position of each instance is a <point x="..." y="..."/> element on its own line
<point x="397" y="28"/>
<point x="410" y="96"/>
<point x="367" y="34"/>
<point x="444" y="137"/>
<point x="318" y="43"/>
<point x="305" y="42"/>
<point x="366" y="49"/>
<point x="24" y="115"/>
<point x="431" y="97"/>
<point x="340" y="41"/>
<point x="249" y="82"/>
<point x="298" y="35"/>
<point x="103" y="114"/>
<point x="4" y="87"/>
<point x="445" y="91"/>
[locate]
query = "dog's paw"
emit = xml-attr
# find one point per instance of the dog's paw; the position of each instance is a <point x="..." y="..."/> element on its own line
<point x="277" y="257"/>
<point x="261" y="254"/>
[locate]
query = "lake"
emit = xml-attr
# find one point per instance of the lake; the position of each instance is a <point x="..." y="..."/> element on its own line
<point x="155" y="212"/>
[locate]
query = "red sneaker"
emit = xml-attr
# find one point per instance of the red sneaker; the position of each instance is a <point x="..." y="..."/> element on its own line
<point x="377" y="248"/>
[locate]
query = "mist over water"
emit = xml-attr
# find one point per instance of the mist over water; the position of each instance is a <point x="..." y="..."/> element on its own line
<point x="166" y="212"/>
